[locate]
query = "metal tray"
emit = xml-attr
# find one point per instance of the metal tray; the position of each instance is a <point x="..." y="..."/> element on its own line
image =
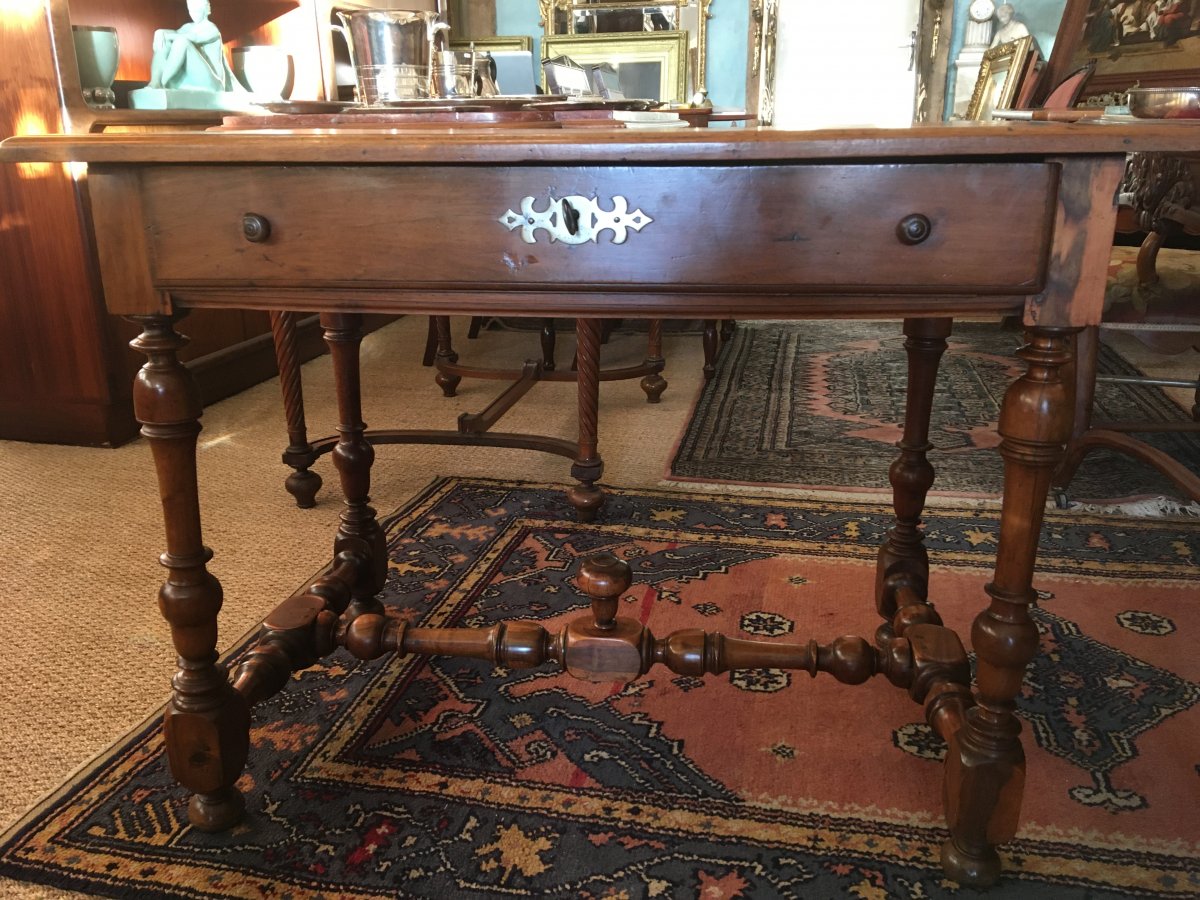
<point x="1165" y="102"/>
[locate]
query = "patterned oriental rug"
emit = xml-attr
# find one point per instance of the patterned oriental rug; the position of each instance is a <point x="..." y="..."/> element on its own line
<point x="451" y="779"/>
<point x="821" y="405"/>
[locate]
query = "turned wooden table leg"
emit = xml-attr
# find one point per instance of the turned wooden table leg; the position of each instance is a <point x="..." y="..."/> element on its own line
<point x="902" y="570"/>
<point x="445" y="354"/>
<point x="302" y="484"/>
<point x="985" y="764"/>
<point x="588" y="467"/>
<point x="359" y="532"/>
<point x="207" y="724"/>
<point x="654" y="384"/>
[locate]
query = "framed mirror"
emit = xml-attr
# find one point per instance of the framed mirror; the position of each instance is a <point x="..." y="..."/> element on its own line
<point x="647" y="35"/>
<point x="642" y="65"/>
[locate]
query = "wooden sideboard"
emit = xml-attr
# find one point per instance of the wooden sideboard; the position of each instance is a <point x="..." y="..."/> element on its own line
<point x="65" y="367"/>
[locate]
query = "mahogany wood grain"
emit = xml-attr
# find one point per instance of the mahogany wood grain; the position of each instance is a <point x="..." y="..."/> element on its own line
<point x="1067" y="232"/>
<point x="1078" y="268"/>
<point x="985" y="764"/>
<point x="136" y="21"/>
<point x="585" y="496"/>
<point x="207" y="724"/>
<point x="75" y="388"/>
<point x="604" y="647"/>
<point x="358" y="531"/>
<point x="303" y="483"/>
<point x="960" y="143"/>
<point x="903" y="560"/>
<point x="48" y="286"/>
<point x="124" y="267"/>
<point x="195" y="220"/>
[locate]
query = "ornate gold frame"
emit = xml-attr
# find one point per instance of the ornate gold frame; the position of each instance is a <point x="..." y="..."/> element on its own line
<point x="1008" y="59"/>
<point x="547" y="9"/>
<point x="667" y="47"/>
<point x="494" y="42"/>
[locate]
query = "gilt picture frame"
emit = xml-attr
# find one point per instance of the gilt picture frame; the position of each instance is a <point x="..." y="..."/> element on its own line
<point x="655" y="60"/>
<point x="493" y="42"/>
<point x="999" y="78"/>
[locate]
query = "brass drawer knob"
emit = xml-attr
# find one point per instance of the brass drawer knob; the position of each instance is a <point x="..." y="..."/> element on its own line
<point x="255" y="228"/>
<point x="914" y="229"/>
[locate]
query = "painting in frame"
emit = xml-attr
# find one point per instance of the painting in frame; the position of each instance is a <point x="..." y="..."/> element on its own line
<point x="999" y="79"/>
<point x="1154" y="43"/>
<point x="650" y="63"/>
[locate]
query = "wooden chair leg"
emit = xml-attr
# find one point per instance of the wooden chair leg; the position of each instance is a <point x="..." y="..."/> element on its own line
<point x="473" y="328"/>
<point x="303" y="483"/>
<point x="585" y="496"/>
<point x="653" y="383"/>
<point x="445" y="353"/>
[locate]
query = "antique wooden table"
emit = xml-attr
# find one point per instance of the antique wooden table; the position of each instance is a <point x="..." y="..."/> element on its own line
<point x="921" y="224"/>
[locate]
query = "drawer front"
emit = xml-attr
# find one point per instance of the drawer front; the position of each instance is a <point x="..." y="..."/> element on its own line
<point x="913" y="228"/>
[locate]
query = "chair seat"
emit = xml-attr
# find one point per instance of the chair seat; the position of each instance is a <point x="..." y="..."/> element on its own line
<point x="1170" y="306"/>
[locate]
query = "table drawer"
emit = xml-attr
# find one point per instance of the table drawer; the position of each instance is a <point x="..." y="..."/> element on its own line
<point x="808" y="229"/>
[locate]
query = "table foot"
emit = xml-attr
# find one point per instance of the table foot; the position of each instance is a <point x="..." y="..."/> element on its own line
<point x="218" y="811"/>
<point x="587" y="500"/>
<point x="970" y="870"/>
<point x="303" y="485"/>
<point x="654" y="385"/>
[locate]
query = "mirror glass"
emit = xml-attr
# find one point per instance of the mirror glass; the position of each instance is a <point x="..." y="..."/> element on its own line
<point x="726" y="33"/>
<point x="595" y="18"/>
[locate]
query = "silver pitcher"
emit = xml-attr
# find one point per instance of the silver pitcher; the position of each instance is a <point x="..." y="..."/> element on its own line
<point x="392" y="51"/>
<point x="464" y="73"/>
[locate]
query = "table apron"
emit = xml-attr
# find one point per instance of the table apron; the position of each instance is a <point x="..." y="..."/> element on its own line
<point x="861" y="229"/>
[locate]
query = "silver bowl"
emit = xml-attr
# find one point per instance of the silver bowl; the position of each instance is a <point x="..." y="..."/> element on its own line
<point x="1165" y="103"/>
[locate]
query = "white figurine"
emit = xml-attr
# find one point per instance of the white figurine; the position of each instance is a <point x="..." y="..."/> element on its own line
<point x="188" y="69"/>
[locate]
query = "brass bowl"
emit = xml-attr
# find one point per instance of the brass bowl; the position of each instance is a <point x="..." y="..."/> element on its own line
<point x="1165" y="103"/>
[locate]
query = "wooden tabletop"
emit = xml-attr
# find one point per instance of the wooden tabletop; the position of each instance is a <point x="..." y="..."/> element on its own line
<point x="475" y="146"/>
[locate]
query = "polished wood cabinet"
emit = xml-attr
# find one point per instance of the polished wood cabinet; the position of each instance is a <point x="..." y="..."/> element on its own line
<point x="65" y="365"/>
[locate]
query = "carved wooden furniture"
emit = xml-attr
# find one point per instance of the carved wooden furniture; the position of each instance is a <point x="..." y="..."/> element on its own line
<point x="752" y="223"/>
<point x="474" y="429"/>
<point x="1161" y="196"/>
<point x="74" y="388"/>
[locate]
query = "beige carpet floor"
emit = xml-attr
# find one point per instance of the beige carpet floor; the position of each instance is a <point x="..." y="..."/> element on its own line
<point x="87" y="655"/>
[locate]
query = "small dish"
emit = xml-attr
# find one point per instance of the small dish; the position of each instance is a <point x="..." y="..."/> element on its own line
<point x="1165" y="102"/>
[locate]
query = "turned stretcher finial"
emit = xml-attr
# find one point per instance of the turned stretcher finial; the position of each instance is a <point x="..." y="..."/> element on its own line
<point x="604" y="578"/>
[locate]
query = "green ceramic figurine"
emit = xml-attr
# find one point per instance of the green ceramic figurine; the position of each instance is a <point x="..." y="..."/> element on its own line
<point x="188" y="69"/>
